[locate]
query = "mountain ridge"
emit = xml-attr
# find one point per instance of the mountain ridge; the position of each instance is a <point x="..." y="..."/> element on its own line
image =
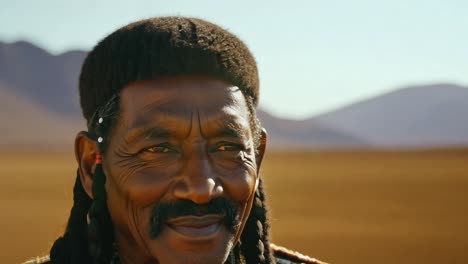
<point x="423" y="115"/>
<point x="415" y="115"/>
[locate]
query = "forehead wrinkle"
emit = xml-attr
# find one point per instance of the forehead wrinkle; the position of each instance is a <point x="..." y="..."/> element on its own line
<point x="161" y="102"/>
<point x="163" y="109"/>
<point x="144" y="133"/>
<point x="219" y="125"/>
<point x="227" y="123"/>
<point x="196" y="127"/>
<point x="157" y="125"/>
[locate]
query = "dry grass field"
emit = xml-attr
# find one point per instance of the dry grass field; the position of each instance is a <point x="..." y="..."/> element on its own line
<point x="343" y="207"/>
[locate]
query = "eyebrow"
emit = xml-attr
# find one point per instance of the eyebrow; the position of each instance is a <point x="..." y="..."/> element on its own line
<point x="147" y="133"/>
<point x="232" y="130"/>
<point x="152" y="129"/>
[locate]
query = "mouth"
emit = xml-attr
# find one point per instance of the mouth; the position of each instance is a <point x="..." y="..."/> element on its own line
<point x="196" y="227"/>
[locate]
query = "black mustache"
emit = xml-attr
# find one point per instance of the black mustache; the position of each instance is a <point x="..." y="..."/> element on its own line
<point x="164" y="211"/>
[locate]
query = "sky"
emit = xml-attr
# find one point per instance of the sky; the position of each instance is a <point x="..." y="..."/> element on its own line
<point x="313" y="56"/>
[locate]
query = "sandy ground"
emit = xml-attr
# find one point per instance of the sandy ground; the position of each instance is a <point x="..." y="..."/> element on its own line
<point x="341" y="206"/>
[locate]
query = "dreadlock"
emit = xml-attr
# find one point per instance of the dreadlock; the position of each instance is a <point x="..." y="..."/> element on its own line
<point x="255" y="238"/>
<point x="72" y="247"/>
<point x="147" y="49"/>
<point x="90" y="242"/>
<point x="100" y="229"/>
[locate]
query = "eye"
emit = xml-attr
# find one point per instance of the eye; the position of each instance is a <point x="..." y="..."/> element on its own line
<point x="229" y="147"/>
<point x="161" y="148"/>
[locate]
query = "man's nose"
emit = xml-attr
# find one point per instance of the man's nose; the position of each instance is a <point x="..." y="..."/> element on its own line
<point x="198" y="182"/>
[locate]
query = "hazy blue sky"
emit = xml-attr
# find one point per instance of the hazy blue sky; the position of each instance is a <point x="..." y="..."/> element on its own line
<point x="313" y="55"/>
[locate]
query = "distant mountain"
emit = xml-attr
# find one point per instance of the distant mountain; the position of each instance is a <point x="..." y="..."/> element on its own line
<point x="48" y="80"/>
<point x="39" y="105"/>
<point x="428" y="115"/>
<point x="24" y="123"/>
<point x="297" y="134"/>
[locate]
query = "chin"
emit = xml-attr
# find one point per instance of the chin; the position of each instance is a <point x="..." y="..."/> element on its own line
<point x="174" y="247"/>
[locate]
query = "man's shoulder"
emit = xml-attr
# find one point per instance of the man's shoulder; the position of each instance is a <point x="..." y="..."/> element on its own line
<point x="286" y="256"/>
<point x="38" y="260"/>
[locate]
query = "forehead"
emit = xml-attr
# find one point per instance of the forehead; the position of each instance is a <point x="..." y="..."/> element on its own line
<point x="181" y="96"/>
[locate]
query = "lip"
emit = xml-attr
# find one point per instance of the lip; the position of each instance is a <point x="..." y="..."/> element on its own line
<point x="196" y="227"/>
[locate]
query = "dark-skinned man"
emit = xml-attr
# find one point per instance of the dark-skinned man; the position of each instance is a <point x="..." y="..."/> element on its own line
<point x="168" y="171"/>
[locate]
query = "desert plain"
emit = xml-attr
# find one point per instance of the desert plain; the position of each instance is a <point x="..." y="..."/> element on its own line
<point x="340" y="206"/>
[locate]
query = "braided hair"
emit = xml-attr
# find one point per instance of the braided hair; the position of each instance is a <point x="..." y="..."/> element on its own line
<point x="90" y="242"/>
<point x="100" y="229"/>
<point x="255" y="237"/>
<point x="147" y="49"/>
<point x="71" y="248"/>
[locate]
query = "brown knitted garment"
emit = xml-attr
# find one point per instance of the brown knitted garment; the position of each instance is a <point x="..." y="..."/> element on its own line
<point x="286" y="256"/>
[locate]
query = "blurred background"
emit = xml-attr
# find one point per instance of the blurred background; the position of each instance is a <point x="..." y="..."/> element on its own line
<point x="365" y="102"/>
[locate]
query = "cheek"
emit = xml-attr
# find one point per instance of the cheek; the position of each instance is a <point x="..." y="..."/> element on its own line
<point x="238" y="178"/>
<point x="120" y="208"/>
<point x="144" y="183"/>
<point x="132" y="194"/>
<point x="131" y="222"/>
<point x="134" y="189"/>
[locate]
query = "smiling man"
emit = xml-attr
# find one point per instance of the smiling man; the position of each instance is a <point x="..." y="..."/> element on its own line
<point x="168" y="171"/>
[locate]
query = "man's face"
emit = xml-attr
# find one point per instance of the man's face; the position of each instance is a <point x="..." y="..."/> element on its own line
<point x="181" y="170"/>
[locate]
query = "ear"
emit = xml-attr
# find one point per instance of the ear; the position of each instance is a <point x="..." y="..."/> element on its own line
<point x="85" y="154"/>
<point x="261" y="148"/>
